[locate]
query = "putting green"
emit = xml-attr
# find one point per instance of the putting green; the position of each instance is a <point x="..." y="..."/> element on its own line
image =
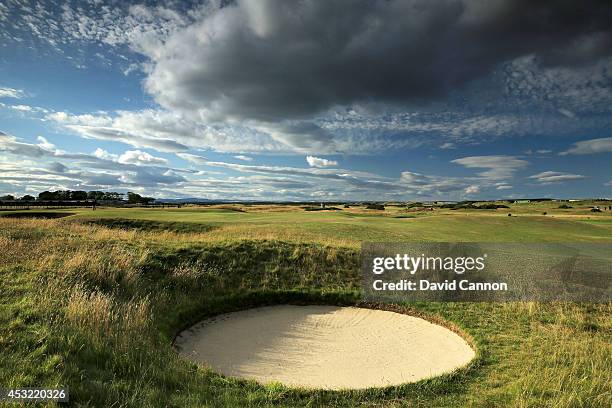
<point x="324" y="346"/>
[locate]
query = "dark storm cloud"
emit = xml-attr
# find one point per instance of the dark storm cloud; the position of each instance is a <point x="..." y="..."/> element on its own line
<point x="274" y="60"/>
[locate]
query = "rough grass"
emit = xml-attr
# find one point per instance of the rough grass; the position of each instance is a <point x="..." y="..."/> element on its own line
<point x="96" y="308"/>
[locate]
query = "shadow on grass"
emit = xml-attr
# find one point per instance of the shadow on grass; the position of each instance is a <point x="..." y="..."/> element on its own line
<point x="37" y="214"/>
<point x="148" y="225"/>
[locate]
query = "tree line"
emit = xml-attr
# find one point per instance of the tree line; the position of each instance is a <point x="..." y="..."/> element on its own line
<point x="77" y="195"/>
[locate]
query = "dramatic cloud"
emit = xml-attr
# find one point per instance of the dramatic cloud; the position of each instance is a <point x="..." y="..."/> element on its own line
<point x="549" y="177"/>
<point x="320" y="162"/>
<point x="499" y="167"/>
<point x="603" y="145"/>
<point x="302" y="57"/>
<point x="302" y="79"/>
<point x="411" y="81"/>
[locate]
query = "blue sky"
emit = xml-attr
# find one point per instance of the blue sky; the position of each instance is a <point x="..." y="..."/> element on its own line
<point x="266" y="100"/>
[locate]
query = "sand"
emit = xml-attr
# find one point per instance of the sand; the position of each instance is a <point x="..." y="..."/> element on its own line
<point x="324" y="346"/>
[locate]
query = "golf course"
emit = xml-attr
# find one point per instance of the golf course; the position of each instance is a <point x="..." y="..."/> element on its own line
<point x="93" y="300"/>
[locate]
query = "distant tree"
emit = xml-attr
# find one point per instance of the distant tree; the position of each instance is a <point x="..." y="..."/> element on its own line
<point x="27" y="197"/>
<point x="46" y="196"/>
<point x="78" y="195"/>
<point x="147" y="200"/>
<point x="7" y="197"/>
<point x="133" y="198"/>
<point x="95" y="195"/>
<point x="66" y="195"/>
<point x="113" y="196"/>
<point x="55" y="195"/>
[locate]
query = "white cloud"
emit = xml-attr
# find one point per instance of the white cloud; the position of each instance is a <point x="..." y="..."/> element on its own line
<point x="11" y="93"/>
<point x="139" y="157"/>
<point x="48" y="168"/>
<point x="473" y="189"/>
<point x="549" y="177"/>
<point x="499" y="167"/>
<point x="165" y="131"/>
<point x="243" y="158"/>
<point x="320" y="162"/>
<point x="193" y="158"/>
<point x="602" y="145"/>
<point x="95" y="171"/>
<point x="44" y="143"/>
<point x="21" y="108"/>
<point x="12" y="145"/>
<point x="103" y="154"/>
<point x="58" y="116"/>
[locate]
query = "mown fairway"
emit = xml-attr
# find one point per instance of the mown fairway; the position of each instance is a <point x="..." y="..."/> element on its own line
<point x="92" y="301"/>
<point x="353" y="225"/>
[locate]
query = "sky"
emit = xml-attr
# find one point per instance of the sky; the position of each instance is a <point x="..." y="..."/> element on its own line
<point x="311" y="100"/>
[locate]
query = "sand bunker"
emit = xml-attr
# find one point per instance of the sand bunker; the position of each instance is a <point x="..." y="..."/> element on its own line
<point x="324" y="346"/>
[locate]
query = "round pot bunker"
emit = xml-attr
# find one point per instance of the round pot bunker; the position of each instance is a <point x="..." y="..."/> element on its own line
<point x="327" y="347"/>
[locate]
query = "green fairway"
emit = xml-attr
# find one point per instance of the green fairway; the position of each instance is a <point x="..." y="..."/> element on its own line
<point x="356" y="226"/>
<point x="93" y="300"/>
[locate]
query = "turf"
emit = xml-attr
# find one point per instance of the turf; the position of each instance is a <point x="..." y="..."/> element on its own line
<point x="92" y="301"/>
